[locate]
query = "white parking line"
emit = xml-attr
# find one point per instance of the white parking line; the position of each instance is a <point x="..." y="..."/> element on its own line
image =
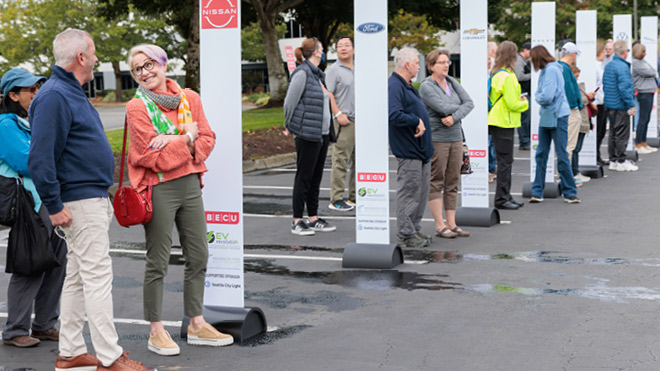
<point x="290" y="188"/>
<point x="128" y="321"/>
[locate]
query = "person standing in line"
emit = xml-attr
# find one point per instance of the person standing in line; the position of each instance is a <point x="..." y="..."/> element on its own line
<point x="644" y="83"/>
<point x="585" y="127"/>
<point x="601" y="118"/>
<point x="569" y="53"/>
<point x="66" y="127"/>
<point x="170" y="157"/>
<point x="411" y="144"/>
<point x="492" y="157"/>
<point x="307" y="116"/>
<point x="507" y="103"/>
<point x="42" y="291"/>
<point x="340" y="83"/>
<point x="447" y="104"/>
<point x="524" y="76"/>
<point x="620" y="104"/>
<point x="553" y="125"/>
<point x="609" y="52"/>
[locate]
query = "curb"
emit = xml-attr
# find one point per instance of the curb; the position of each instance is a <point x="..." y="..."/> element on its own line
<point x="269" y="162"/>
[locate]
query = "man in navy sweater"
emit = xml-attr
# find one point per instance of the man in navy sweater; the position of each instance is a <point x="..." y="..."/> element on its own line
<point x="71" y="164"/>
<point x="411" y="144"/>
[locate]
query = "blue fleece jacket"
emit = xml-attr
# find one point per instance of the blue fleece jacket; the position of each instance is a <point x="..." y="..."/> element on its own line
<point x="571" y="87"/>
<point x="70" y="157"/>
<point x="405" y="109"/>
<point x="550" y="93"/>
<point x="618" y="85"/>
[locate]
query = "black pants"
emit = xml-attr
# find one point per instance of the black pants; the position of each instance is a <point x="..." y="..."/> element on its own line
<point x="645" y="107"/>
<point x="601" y="128"/>
<point x="311" y="159"/>
<point x="619" y="134"/>
<point x="503" y="142"/>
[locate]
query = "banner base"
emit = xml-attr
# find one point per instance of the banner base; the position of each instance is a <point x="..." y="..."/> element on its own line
<point x="371" y="255"/>
<point x="592" y="171"/>
<point x="551" y="190"/>
<point x="632" y="155"/>
<point x="653" y="142"/>
<point x="477" y="216"/>
<point x="241" y="323"/>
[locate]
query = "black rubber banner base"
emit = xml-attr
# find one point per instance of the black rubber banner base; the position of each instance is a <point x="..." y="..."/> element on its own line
<point x="594" y="172"/>
<point x="632" y="155"/>
<point x="477" y="216"/>
<point x="241" y="323"/>
<point x="551" y="190"/>
<point x="653" y="142"/>
<point x="372" y="256"/>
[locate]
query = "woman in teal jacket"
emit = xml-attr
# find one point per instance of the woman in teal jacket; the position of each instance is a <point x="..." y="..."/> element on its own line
<point x="43" y="290"/>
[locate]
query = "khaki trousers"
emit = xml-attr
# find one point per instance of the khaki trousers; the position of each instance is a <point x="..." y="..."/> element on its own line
<point x="342" y="152"/>
<point x="574" y="121"/>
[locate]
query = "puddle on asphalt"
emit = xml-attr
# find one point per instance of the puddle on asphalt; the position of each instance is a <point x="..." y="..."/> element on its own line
<point x="268" y="208"/>
<point x="293" y="248"/>
<point x="272" y="336"/>
<point x="280" y="298"/>
<point x="359" y="279"/>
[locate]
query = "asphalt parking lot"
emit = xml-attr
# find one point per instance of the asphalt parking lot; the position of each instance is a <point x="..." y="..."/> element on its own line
<point x="554" y="287"/>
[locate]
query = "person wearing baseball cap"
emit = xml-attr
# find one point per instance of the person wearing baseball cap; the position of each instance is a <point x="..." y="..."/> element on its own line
<point x="19" y="88"/>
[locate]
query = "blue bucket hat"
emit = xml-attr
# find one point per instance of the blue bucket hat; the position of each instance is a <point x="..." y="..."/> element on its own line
<point x="18" y="77"/>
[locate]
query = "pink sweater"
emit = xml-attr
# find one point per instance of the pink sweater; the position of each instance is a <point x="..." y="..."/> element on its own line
<point x="174" y="160"/>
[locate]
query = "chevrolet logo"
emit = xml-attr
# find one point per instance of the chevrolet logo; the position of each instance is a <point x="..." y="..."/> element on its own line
<point x="474" y="31"/>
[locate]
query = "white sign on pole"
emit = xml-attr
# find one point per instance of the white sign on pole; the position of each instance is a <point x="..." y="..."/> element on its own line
<point x="649" y="37"/>
<point x="585" y="37"/>
<point x="372" y="220"/>
<point x="474" y="58"/>
<point x="543" y="33"/>
<point x="220" y="85"/>
<point x="622" y="30"/>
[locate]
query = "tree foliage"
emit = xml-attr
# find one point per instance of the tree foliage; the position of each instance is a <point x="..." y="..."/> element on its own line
<point x="407" y="29"/>
<point x="252" y="43"/>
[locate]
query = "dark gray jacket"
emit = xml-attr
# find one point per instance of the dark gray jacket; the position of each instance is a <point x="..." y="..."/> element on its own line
<point x="643" y="76"/>
<point x="304" y="116"/>
<point x="439" y="105"/>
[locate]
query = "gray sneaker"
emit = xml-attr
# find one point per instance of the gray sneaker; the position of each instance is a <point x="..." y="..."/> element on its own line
<point x="340" y="205"/>
<point x="412" y="242"/>
<point x="425" y="237"/>
<point x="320" y="225"/>
<point x="302" y="229"/>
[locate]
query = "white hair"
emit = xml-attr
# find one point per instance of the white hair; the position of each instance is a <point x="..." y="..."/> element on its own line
<point x="620" y="47"/>
<point x="68" y="44"/>
<point x="404" y="55"/>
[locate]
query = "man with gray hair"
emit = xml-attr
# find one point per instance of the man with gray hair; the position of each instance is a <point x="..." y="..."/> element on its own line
<point x="72" y="164"/>
<point x="411" y="144"/>
<point x="620" y="103"/>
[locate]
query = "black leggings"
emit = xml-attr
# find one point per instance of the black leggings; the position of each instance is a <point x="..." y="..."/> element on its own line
<point x="310" y="162"/>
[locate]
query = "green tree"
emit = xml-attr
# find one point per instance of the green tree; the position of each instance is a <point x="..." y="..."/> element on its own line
<point x="407" y="29"/>
<point x="252" y="43"/>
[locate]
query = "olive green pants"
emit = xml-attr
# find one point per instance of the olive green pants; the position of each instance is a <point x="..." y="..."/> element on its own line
<point x="177" y="201"/>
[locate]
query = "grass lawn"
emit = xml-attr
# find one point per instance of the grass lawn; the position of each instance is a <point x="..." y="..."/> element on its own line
<point x="254" y="119"/>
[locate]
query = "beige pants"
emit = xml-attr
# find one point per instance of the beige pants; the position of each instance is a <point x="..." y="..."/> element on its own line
<point x="574" y="121"/>
<point x="88" y="283"/>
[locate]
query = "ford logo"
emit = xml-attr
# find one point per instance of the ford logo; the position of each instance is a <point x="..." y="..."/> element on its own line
<point x="370" y="27"/>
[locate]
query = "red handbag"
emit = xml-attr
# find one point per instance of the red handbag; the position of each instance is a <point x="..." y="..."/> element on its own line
<point x="130" y="206"/>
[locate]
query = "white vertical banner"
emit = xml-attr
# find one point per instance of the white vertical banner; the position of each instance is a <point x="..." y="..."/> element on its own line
<point x="543" y="33"/>
<point x="585" y="39"/>
<point x="622" y="30"/>
<point x="372" y="222"/>
<point x="649" y="37"/>
<point x="474" y="77"/>
<point x="220" y="85"/>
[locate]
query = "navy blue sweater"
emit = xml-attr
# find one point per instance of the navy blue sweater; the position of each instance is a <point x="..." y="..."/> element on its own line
<point x="70" y="158"/>
<point x="405" y="110"/>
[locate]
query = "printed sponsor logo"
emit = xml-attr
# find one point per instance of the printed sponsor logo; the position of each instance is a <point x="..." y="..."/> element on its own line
<point x="474" y="31"/>
<point x="622" y="36"/>
<point x="220" y="238"/>
<point x="535" y="137"/>
<point x="364" y="191"/>
<point x="370" y="27"/>
<point x="220" y="14"/>
<point x="372" y="177"/>
<point x="477" y="153"/>
<point x="371" y="210"/>
<point x="221" y="217"/>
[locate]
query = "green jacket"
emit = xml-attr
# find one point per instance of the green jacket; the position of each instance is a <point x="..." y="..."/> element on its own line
<point x="505" y="112"/>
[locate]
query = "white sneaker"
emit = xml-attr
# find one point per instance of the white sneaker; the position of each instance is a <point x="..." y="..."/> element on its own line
<point x="614" y="166"/>
<point x="652" y="149"/>
<point x="583" y="178"/>
<point x="628" y="166"/>
<point x="643" y="150"/>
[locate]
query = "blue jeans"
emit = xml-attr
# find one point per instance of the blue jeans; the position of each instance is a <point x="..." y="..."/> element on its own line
<point x="559" y="135"/>
<point x="492" y="159"/>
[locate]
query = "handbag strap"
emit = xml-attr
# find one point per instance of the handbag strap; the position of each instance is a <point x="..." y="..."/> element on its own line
<point x="123" y="154"/>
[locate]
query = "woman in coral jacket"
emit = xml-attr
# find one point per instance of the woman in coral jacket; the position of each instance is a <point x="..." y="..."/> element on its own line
<point x="170" y="139"/>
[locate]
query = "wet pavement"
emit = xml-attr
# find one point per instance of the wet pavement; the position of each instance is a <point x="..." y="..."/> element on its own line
<point x="556" y="287"/>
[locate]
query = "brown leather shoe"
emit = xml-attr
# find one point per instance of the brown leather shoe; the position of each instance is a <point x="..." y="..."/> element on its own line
<point x="24" y="341"/>
<point x="124" y="363"/>
<point x="52" y="334"/>
<point x="85" y="361"/>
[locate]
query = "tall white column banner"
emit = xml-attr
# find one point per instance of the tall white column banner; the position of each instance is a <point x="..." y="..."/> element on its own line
<point x="371" y="117"/>
<point x="474" y="67"/>
<point x="543" y="33"/>
<point x="585" y="37"/>
<point x="622" y="30"/>
<point x="220" y="84"/>
<point x="649" y="37"/>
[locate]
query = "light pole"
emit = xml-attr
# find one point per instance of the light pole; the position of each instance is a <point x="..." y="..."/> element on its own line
<point x="635" y="20"/>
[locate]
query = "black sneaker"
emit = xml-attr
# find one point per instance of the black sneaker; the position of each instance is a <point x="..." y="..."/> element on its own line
<point x="340" y="205"/>
<point x="572" y="200"/>
<point x="302" y="229"/>
<point x="320" y="225"/>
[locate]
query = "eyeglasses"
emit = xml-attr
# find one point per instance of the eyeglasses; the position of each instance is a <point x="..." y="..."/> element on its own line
<point x="148" y="65"/>
<point x="448" y="63"/>
<point x="31" y="89"/>
<point x="346" y="45"/>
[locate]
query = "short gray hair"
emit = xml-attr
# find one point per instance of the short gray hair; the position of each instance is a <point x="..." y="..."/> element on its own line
<point x="620" y="47"/>
<point x="404" y="55"/>
<point x="68" y="44"/>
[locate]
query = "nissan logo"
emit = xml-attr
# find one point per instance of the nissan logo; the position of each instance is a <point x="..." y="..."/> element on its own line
<point x="370" y="27"/>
